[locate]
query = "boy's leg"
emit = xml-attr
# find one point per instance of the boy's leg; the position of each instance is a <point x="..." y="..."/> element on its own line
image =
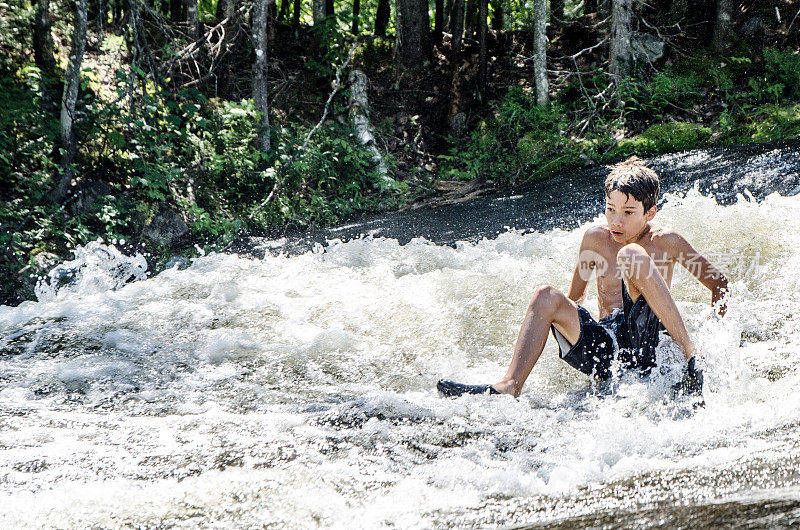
<point x="548" y="306"/>
<point x="643" y="279"/>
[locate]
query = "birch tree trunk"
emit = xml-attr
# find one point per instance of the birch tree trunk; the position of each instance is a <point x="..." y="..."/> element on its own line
<point x="359" y="114"/>
<point x="722" y="26"/>
<point x="69" y="99"/>
<point x="619" y="53"/>
<point x="260" y="95"/>
<point x="43" y="39"/>
<point x="540" y="51"/>
<point x="193" y="18"/>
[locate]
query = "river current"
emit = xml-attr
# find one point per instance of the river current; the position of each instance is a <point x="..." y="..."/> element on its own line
<point x="298" y="390"/>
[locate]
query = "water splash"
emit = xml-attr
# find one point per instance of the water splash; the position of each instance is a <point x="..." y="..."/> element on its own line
<point x="299" y="390"/>
<point x="95" y="268"/>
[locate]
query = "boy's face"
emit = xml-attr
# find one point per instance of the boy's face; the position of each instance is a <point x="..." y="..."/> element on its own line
<point x="626" y="216"/>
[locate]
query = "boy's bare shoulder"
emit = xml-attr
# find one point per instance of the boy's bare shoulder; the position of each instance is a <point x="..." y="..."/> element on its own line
<point x="597" y="234"/>
<point x="666" y="237"/>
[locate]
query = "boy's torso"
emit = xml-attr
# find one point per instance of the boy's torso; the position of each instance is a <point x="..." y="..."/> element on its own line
<point x="609" y="277"/>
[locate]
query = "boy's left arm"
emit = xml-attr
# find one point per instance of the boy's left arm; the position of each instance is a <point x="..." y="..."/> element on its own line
<point x="699" y="266"/>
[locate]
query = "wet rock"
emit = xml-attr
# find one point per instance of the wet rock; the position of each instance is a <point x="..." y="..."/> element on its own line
<point x="86" y="196"/>
<point x="179" y="262"/>
<point x="753" y="27"/>
<point x="458" y="125"/>
<point x="165" y="228"/>
<point x="647" y="48"/>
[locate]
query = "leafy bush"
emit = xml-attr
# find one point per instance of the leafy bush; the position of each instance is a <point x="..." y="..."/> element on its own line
<point x="783" y="73"/>
<point x="664" y="138"/>
<point x="523" y="141"/>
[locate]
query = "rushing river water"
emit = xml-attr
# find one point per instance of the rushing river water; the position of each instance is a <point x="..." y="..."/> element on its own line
<point x="298" y="390"/>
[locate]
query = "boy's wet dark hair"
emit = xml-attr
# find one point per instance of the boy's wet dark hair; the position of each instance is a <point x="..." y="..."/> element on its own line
<point x="633" y="178"/>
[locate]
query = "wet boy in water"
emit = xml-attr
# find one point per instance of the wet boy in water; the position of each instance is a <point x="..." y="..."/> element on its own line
<point x="633" y="260"/>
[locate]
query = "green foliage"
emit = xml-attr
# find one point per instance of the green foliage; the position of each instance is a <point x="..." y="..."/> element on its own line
<point x="663" y="138"/>
<point x="783" y="74"/>
<point x="523" y="141"/>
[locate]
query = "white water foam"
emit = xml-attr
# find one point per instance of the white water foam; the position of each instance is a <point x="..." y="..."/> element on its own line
<point x="300" y="391"/>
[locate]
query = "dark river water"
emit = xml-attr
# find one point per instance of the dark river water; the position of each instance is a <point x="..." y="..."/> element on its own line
<point x="293" y="385"/>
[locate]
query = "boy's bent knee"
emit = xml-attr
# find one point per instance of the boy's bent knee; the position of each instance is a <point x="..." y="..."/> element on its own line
<point x="633" y="261"/>
<point x="546" y="299"/>
<point x="632" y="251"/>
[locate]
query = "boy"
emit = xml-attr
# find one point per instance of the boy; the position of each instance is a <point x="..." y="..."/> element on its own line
<point x="633" y="260"/>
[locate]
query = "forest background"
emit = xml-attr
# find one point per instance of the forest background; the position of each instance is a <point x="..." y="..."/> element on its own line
<point x="172" y="126"/>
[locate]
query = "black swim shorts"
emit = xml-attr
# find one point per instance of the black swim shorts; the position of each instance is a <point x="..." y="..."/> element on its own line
<point x="629" y="335"/>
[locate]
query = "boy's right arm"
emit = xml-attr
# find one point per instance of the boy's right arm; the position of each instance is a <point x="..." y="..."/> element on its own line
<point x="583" y="270"/>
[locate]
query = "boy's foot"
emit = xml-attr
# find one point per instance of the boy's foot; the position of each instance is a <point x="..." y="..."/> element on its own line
<point x="453" y="389"/>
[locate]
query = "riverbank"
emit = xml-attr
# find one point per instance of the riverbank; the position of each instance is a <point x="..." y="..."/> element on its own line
<point x="164" y="171"/>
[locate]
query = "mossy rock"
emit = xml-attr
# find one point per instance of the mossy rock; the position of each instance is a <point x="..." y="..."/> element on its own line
<point x="677" y="135"/>
<point x="663" y="138"/>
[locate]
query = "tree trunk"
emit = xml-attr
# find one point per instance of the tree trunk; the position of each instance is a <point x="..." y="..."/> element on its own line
<point x="359" y="114"/>
<point x="457" y="23"/>
<point x="556" y="11"/>
<point x="174" y="10"/>
<point x="284" y="11"/>
<point x="225" y="9"/>
<point x="296" y="14"/>
<point x="678" y="9"/>
<point x="469" y="18"/>
<point x="438" y="21"/>
<point x="69" y="99"/>
<point x="382" y="17"/>
<point x="498" y="16"/>
<point x="723" y="25"/>
<point x="448" y="8"/>
<point x="329" y="8"/>
<point x="260" y="95"/>
<point x="116" y="13"/>
<point x="43" y="39"/>
<point x="540" y="51"/>
<point x="318" y="11"/>
<point x="483" y="15"/>
<point x="193" y="18"/>
<point x="356" y="12"/>
<point x="619" y="53"/>
<point x="412" y="31"/>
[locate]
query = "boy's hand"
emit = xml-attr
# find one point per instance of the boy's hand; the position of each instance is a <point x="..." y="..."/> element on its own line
<point x="692" y="383"/>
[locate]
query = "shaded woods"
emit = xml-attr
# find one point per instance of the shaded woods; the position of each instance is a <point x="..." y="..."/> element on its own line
<point x="168" y="123"/>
